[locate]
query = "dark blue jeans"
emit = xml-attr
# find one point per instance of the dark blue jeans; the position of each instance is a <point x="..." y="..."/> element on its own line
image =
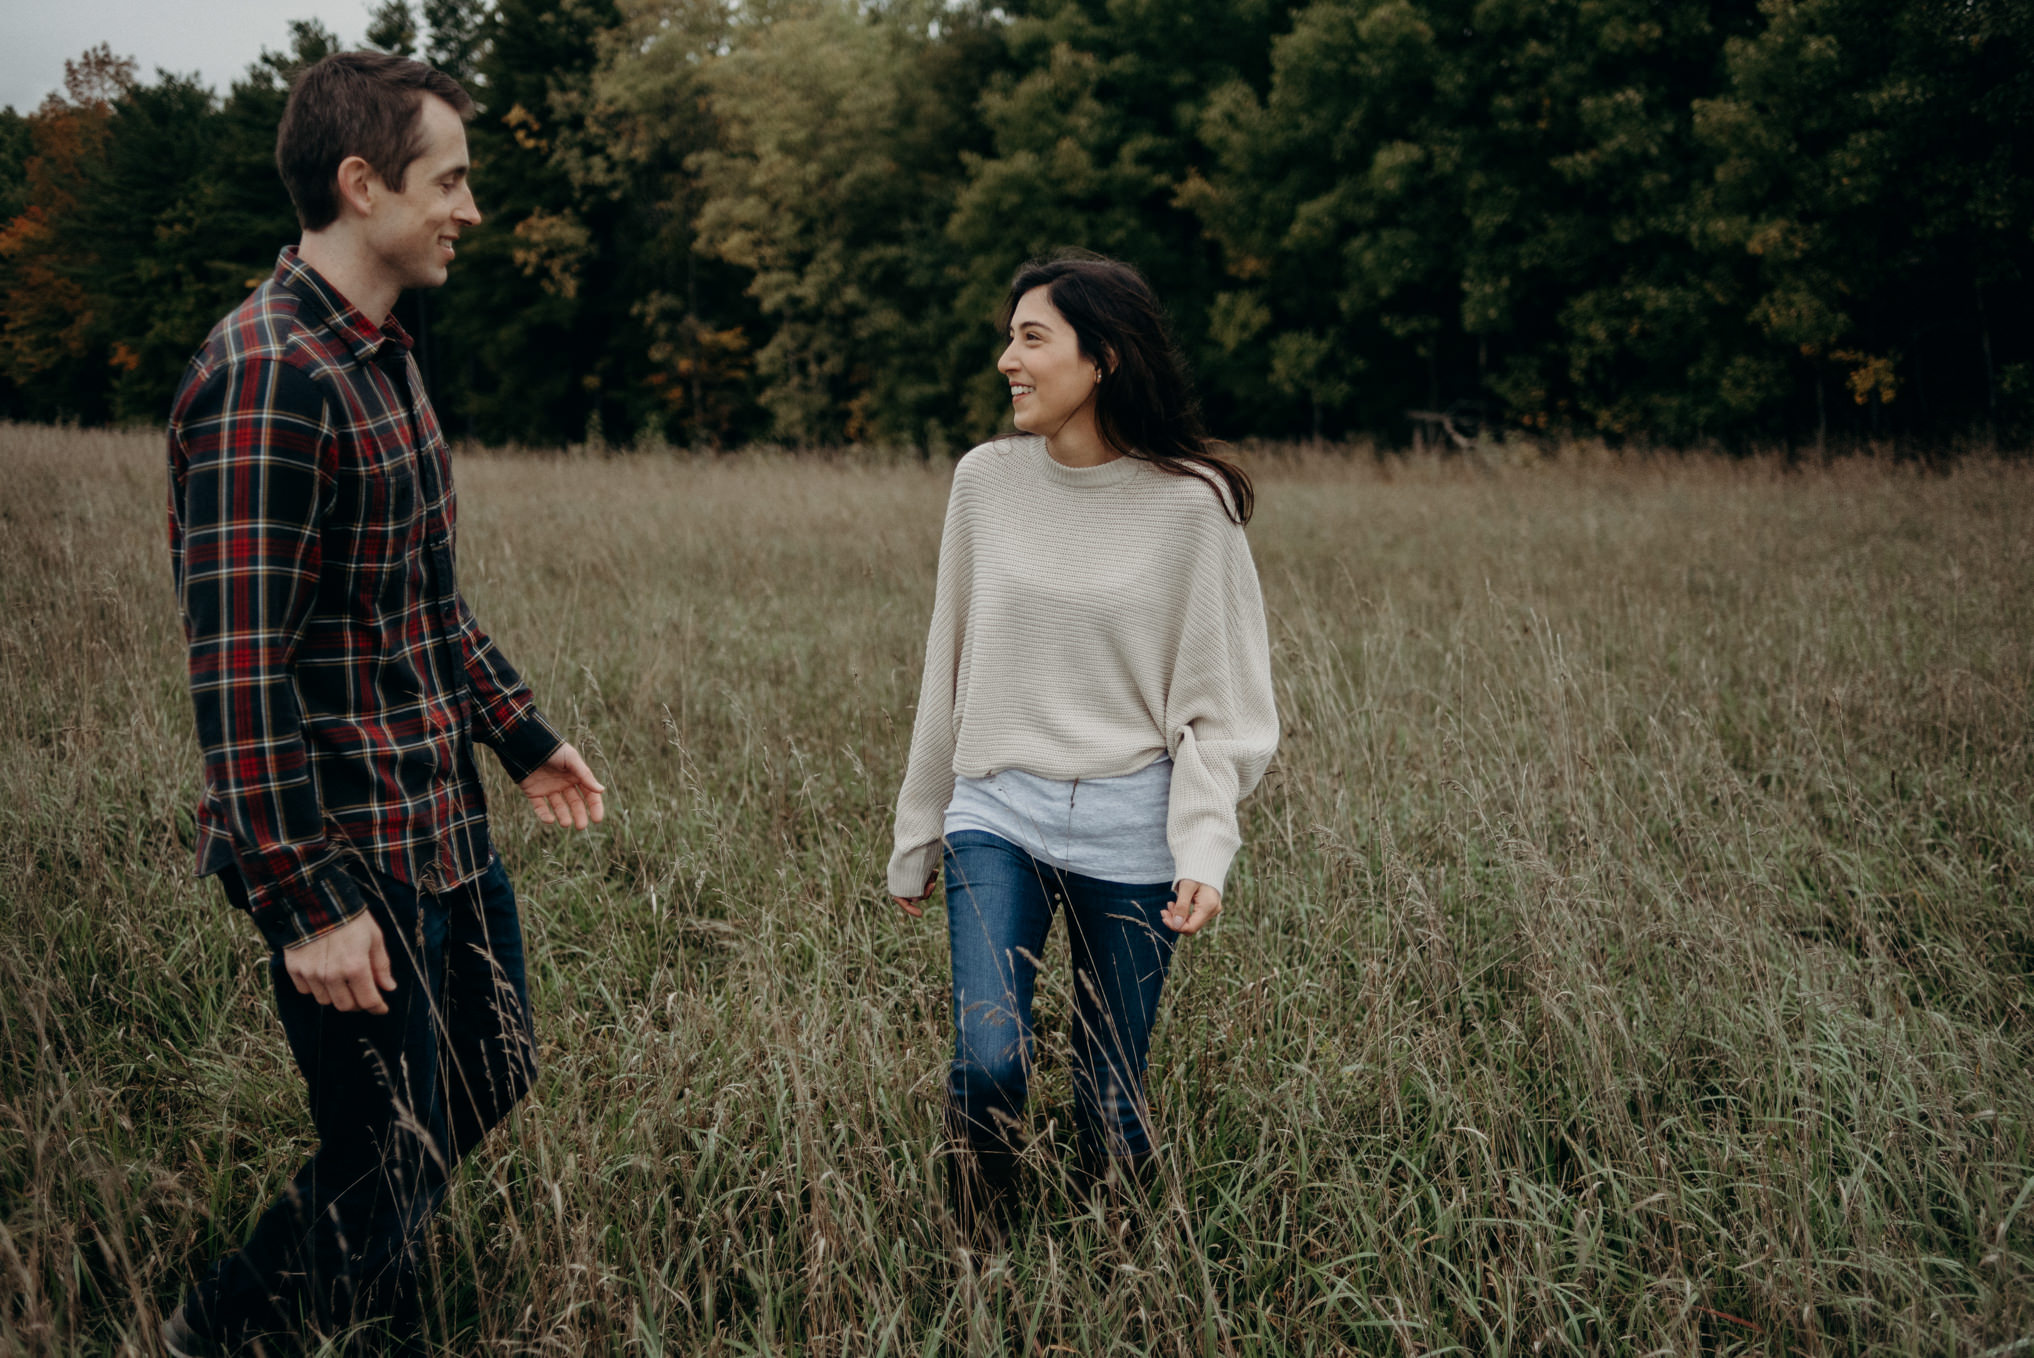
<point x="397" y="1099"/>
<point x="999" y="907"/>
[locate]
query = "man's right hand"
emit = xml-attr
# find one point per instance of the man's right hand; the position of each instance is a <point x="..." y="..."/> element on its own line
<point x="343" y="968"/>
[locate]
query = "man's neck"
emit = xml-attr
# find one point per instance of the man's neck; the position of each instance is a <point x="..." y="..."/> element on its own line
<point x="351" y="272"/>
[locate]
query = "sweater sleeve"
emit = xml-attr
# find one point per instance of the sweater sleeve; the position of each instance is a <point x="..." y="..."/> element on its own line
<point x="1221" y="721"/>
<point x="928" y="771"/>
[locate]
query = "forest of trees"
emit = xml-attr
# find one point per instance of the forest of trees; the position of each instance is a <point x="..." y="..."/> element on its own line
<point x="1726" y="222"/>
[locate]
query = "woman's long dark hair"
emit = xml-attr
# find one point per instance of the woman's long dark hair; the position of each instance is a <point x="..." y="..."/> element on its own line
<point x="1144" y="405"/>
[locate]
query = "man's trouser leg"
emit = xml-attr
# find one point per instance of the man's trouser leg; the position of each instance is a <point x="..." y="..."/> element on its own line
<point x="395" y="1099"/>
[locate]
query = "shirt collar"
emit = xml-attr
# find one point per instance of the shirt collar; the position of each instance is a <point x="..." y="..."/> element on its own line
<point x="363" y="337"/>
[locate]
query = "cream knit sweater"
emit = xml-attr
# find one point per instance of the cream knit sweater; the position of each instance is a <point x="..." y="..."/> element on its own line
<point x="1088" y="620"/>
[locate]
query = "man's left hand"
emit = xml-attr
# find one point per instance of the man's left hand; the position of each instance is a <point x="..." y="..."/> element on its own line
<point x="563" y="791"/>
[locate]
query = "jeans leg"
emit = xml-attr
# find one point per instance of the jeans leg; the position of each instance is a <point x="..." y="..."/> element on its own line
<point x="340" y="1245"/>
<point x="490" y="1051"/>
<point x="998" y="912"/>
<point x="1121" y="951"/>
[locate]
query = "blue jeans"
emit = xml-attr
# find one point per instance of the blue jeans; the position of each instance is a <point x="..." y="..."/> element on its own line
<point x="999" y="907"/>
<point x="397" y="1099"/>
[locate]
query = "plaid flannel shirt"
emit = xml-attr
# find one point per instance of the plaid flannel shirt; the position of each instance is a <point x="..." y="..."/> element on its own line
<point x="339" y="678"/>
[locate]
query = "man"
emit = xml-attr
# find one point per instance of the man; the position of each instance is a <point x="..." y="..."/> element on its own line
<point x="340" y="681"/>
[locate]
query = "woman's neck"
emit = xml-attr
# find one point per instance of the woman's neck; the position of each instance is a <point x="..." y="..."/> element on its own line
<point x="1079" y="443"/>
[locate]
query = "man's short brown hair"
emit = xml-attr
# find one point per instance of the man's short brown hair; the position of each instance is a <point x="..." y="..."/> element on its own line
<point x="366" y="104"/>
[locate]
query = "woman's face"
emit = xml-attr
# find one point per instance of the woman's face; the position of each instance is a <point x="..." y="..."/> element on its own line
<point x="1050" y="381"/>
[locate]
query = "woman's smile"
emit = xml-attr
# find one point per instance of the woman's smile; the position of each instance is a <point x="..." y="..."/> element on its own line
<point x="1052" y="383"/>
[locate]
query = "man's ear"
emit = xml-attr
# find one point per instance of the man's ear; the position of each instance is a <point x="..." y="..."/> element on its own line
<point x="357" y="184"/>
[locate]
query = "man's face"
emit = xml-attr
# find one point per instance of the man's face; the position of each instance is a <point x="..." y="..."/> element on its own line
<point x="411" y="234"/>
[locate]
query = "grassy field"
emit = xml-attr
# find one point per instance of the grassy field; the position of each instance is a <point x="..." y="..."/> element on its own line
<point x="1632" y="949"/>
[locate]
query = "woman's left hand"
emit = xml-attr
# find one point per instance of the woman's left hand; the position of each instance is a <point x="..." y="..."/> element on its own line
<point x="1194" y="905"/>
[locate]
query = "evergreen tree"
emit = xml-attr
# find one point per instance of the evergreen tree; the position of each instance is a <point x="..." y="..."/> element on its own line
<point x="533" y="328"/>
<point x="58" y="332"/>
<point x="147" y="211"/>
<point x="833" y="181"/>
<point x="461" y="31"/>
<point x="1672" y="220"/>
<point x="17" y="145"/>
<point x="656" y="116"/>
<point x="392" y="27"/>
<point x="1478" y="204"/>
<point x="1095" y="128"/>
<point x="1875" y="167"/>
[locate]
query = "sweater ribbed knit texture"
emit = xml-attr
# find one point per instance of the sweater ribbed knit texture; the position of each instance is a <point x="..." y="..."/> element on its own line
<point x="1088" y="620"/>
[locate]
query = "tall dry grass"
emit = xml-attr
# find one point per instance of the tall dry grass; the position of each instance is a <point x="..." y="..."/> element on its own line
<point x="1631" y="951"/>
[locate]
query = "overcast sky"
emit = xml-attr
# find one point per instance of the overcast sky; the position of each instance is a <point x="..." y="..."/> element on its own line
<point x="215" y="38"/>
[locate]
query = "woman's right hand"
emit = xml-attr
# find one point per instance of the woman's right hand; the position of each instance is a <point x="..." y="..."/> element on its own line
<point x="914" y="906"/>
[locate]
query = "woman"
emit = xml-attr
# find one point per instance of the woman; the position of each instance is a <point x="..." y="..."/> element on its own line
<point x="1097" y="696"/>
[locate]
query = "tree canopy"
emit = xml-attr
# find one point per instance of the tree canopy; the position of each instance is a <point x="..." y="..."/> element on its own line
<point x="1721" y="221"/>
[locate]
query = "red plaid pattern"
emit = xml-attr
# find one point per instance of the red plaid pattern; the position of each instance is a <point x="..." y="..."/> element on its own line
<point x="338" y="675"/>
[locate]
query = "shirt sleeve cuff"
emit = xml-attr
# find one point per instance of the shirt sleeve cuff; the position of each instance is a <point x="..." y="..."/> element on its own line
<point x="326" y="901"/>
<point x="910" y="869"/>
<point x="525" y="748"/>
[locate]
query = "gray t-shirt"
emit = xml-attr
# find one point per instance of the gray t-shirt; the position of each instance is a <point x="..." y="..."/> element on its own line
<point x="1110" y="828"/>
